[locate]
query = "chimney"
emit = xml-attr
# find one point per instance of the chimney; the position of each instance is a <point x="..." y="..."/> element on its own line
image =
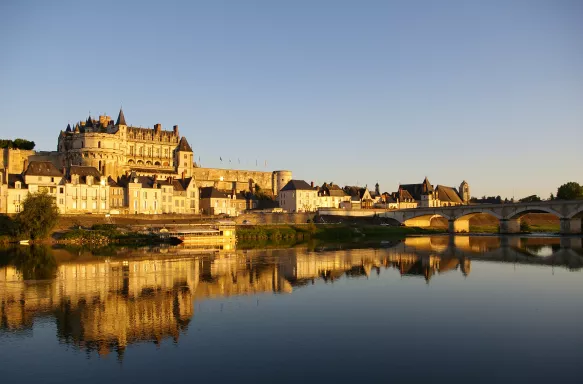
<point x="175" y="130"/>
<point x="312" y="184"/>
<point x="157" y="128"/>
<point x="182" y="175"/>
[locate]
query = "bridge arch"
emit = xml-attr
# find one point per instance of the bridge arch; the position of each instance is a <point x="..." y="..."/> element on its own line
<point x="516" y="215"/>
<point x="461" y="223"/>
<point x="422" y="220"/>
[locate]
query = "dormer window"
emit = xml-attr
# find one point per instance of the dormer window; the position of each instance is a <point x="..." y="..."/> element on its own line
<point x="17" y="185"/>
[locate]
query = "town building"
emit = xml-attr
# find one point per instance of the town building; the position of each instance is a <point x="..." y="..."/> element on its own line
<point x="331" y="195"/>
<point x="298" y="196"/>
<point x="216" y="202"/>
<point x="425" y="195"/>
<point x="360" y="197"/>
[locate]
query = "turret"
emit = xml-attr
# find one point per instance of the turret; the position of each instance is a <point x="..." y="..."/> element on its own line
<point x="184" y="158"/>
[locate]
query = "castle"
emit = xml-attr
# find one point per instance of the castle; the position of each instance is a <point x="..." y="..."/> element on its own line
<point x="128" y="168"/>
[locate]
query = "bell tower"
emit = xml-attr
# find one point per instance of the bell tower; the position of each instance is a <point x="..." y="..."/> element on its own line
<point x="465" y="192"/>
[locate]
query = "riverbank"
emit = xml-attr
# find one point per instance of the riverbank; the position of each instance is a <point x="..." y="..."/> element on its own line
<point x="326" y="232"/>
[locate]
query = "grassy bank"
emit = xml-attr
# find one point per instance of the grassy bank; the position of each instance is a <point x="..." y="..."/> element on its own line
<point x="103" y="234"/>
<point x="530" y="228"/>
<point x="324" y="232"/>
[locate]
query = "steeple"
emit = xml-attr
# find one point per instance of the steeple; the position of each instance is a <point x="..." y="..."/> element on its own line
<point x="121" y="120"/>
<point x="89" y="122"/>
<point x="68" y="128"/>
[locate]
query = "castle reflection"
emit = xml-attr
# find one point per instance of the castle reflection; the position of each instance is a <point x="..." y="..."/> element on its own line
<point x="104" y="304"/>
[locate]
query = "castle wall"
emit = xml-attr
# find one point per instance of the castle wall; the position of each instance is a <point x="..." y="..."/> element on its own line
<point x="14" y="159"/>
<point x="208" y="177"/>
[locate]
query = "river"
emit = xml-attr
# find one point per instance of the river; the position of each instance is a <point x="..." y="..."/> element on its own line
<point x="421" y="309"/>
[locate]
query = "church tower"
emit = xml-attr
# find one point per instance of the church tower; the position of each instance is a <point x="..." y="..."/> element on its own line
<point x="465" y="192"/>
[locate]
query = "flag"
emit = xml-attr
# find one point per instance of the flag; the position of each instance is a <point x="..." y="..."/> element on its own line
<point x="229" y="161"/>
<point x="239" y="160"/>
<point x="255" y="162"/>
<point x="221" y="159"/>
<point x="266" y="163"/>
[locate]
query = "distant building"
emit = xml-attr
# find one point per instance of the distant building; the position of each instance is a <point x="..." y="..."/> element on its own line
<point x="216" y="202"/>
<point x="441" y="196"/>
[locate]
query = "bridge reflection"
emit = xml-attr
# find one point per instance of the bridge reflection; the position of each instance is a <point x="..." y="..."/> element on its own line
<point x="105" y="303"/>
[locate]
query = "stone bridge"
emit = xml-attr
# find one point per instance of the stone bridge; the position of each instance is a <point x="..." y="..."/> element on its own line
<point x="569" y="212"/>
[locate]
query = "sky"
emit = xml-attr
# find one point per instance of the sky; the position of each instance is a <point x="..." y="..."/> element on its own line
<point x="351" y="92"/>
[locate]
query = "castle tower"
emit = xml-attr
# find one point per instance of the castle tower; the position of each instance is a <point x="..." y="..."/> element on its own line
<point x="280" y="179"/>
<point x="184" y="158"/>
<point x="465" y="192"/>
<point x="377" y="189"/>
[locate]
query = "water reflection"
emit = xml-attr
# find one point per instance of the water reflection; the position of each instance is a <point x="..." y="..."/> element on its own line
<point x="105" y="303"/>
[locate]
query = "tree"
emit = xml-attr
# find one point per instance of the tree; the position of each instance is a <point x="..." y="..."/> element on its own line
<point x="570" y="191"/>
<point x="38" y="217"/>
<point x="552" y="197"/>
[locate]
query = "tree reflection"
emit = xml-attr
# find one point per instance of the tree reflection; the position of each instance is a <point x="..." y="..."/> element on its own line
<point x="36" y="262"/>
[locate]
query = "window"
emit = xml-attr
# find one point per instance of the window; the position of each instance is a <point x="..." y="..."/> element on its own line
<point x="84" y="205"/>
<point x="74" y="205"/>
<point x="185" y="156"/>
<point x="94" y="205"/>
<point x="136" y="194"/>
<point x="61" y="190"/>
<point x="145" y="195"/>
<point x="145" y="205"/>
<point x="176" y="202"/>
<point x="99" y="144"/>
<point x="61" y="201"/>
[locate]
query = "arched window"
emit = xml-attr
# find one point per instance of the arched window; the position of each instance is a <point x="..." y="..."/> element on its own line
<point x="99" y="144"/>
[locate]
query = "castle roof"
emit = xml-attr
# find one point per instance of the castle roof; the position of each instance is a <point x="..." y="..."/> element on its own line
<point x="42" y="168"/>
<point x="89" y="122"/>
<point x="297" y="185"/>
<point x="68" y="128"/>
<point x="183" y="145"/>
<point x="121" y="119"/>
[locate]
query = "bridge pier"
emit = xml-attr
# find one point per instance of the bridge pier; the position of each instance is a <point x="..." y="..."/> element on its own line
<point x="569" y="226"/>
<point x="455" y="226"/>
<point x="509" y="225"/>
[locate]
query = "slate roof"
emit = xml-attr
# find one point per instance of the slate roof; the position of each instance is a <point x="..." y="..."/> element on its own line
<point x="13" y="178"/>
<point x="112" y="183"/>
<point x="416" y="190"/>
<point x="332" y="190"/>
<point x="183" y="145"/>
<point x="404" y="195"/>
<point x="448" y="194"/>
<point x="121" y="119"/>
<point x="211" y="193"/>
<point x="42" y="168"/>
<point x="84" y="171"/>
<point x="297" y="185"/>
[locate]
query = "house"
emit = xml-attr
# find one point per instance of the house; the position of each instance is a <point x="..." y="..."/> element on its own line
<point x="39" y="176"/>
<point x="360" y="197"/>
<point x="331" y="196"/>
<point x="85" y="191"/>
<point x="298" y="196"/>
<point x="215" y="202"/>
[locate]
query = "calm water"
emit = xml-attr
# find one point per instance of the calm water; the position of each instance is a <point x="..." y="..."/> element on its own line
<point x="427" y="309"/>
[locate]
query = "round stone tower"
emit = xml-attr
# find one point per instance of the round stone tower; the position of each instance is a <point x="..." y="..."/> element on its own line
<point x="280" y="179"/>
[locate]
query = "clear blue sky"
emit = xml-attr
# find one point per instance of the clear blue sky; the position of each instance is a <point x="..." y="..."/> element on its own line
<point x="343" y="91"/>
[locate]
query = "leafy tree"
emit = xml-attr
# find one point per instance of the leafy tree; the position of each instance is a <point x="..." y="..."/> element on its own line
<point x="552" y="197"/>
<point x="17" y="144"/>
<point x="530" y="199"/>
<point x="38" y="217"/>
<point x="570" y="191"/>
